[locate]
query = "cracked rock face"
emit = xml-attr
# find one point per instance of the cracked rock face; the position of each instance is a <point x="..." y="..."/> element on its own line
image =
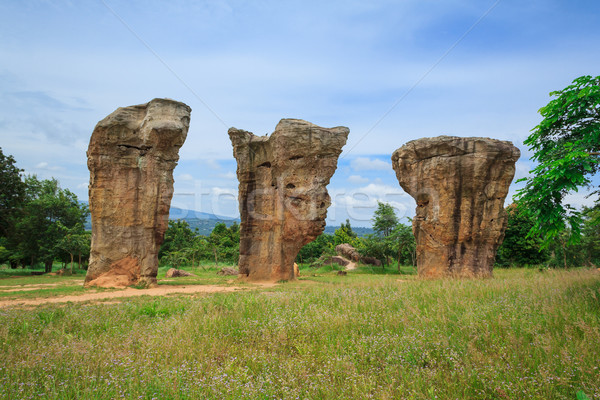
<point x="131" y="157"/>
<point x="282" y="193"/>
<point x="459" y="185"/>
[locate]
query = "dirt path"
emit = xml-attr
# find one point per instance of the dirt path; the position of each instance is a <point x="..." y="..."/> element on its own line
<point x="129" y="292"/>
<point x="351" y="265"/>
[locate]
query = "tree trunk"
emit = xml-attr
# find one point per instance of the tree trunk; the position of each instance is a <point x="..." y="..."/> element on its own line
<point x="216" y="259"/>
<point x="71" y="254"/>
<point x="48" y="266"/>
<point x="79" y="262"/>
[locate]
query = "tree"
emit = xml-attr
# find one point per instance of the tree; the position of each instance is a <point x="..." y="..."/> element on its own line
<point x="404" y="245"/>
<point x="590" y="244"/>
<point x="75" y="242"/>
<point x="345" y="234"/>
<point x="324" y="243"/>
<point x="179" y="235"/>
<point x="519" y="248"/>
<point x="225" y="242"/>
<point x="377" y="247"/>
<point x="384" y="219"/>
<point x="12" y="194"/>
<point x="566" y="144"/>
<point x="47" y="211"/>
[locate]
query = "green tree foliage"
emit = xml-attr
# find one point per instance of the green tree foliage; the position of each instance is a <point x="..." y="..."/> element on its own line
<point x="383" y="244"/>
<point x="12" y="194"/>
<point x="48" y="210"/>
<point x="590" y="243"/>
<point x="183" y="246"/>
<point x="566" y="144"/>
<point x="76" y="242"/>
<point x="519" y="248"/>
<point x="323" y="244"/>
<point x="384" y="219"/>
<point x="178" y="236"/>
<point x="402" y="243"/>
<point x="585" y="252"/>
<point x="376" y="246"/>
<point x="225" y="242"/>
<point x="345" y="234"/>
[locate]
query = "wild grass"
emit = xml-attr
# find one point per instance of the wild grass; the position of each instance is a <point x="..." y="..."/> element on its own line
<point x="521" y="335"/>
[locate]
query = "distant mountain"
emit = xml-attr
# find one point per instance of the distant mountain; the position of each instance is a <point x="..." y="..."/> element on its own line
<point x="181" y="213"/>
<point x="360" y="231"/>
<point x="205" y="222"/>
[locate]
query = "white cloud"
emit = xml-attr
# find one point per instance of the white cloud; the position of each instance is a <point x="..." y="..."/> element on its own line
<point x="45" y="166"/>
<point x="360" y="203"/>
<point x="522" y="170"/>
<point x="580" y="199"/>
<point x="213" y="164"/>
<point x="364" y="164"/>
<point x="228" y="175"/>
<point x="220" y="191"/>
<point x="357" y="179"/>
<point x="185" y="177"/>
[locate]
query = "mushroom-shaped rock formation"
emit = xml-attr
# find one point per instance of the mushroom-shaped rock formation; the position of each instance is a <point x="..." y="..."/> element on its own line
<point x="460" y="185"/>
<point x="282" y="193"/>
<point x="131" y="157"/>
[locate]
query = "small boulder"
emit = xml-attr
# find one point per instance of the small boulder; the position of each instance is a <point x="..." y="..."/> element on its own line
<point x="228" y="271"/>
<point x="328" y="260"/>
<point x="176" y="273"/>
<point x="347" y="251"/>
<point x="342" y="273"/>
<point x="371" y="261"/>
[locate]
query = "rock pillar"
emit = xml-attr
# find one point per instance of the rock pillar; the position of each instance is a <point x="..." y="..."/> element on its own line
<point x="459" y="185"/>
<point x="131" y="157"/>
<point x="282" y="193"/>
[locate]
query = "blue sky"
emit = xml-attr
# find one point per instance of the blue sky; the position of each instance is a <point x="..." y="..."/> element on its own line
<point x="391" y="71"/>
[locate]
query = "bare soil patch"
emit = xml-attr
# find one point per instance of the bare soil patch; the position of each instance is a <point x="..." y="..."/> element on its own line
<point x="130" y="292"/>
<point x="35" y="286"/>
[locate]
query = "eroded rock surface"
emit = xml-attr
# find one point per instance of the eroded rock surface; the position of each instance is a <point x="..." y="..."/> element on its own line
<point x="347" y="251"/>
<point x="282" y="193"/>
<point x="177" y="273"/>
<point x="459" y="185"/>
<point x="131" y="157"/>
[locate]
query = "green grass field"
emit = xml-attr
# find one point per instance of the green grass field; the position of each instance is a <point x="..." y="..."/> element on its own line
<point x="522" y="335"/>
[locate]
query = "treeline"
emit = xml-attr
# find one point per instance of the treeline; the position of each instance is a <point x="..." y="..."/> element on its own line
<point x="40" y="222"/>
<point x="520" y="248"/>
<point x="183" y="246"/>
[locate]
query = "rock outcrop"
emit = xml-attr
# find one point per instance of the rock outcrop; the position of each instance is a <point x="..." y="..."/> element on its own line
<point x="177" y="273"/>
<point x="282" y="193"/>
<point x="459" y="185"/>
<point x="347" y="251"/>
<point x="131" y="157"/>
<point x="228" y="271"/>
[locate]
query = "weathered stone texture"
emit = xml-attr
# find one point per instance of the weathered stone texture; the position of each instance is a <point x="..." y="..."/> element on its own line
<point x="131" y="157"/>
<point x="459" y="185"/>
<point x="347" y="251"/>
<point x="282" y="193"/>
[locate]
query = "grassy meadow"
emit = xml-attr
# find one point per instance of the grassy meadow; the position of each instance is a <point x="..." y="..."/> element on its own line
<point x="524" y="334"/>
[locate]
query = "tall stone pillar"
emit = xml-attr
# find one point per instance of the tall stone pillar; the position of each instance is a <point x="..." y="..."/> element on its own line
<point x="282" y="193"/>
<point x="459" y="185"/>
<point x="131" y="157"/>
